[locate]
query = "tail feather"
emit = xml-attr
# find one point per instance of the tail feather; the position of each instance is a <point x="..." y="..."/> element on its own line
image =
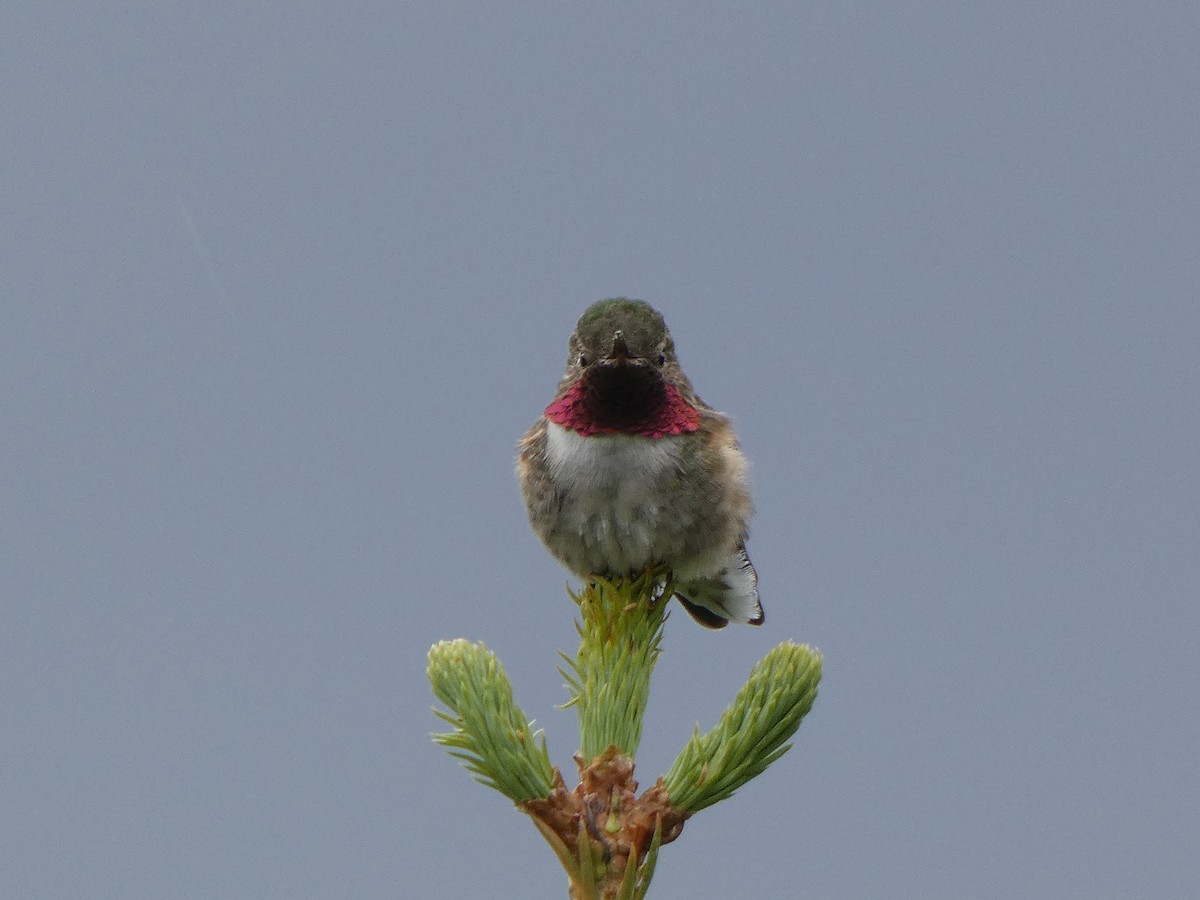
<point x="701" y="614"/>
<point x="730" y="595"/>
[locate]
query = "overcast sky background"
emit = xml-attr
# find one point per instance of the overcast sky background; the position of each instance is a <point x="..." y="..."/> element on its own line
<point x="281" y="286"/>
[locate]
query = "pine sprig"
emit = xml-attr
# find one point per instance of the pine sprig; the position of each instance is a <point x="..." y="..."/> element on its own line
<point x="752" y="733"/>
<point x="491" y="735"/>
<point x="605" y="834"/>
<point x="609" y="679"/>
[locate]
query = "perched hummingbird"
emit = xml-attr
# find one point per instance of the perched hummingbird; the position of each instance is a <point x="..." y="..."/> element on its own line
<point x="628" y="468"/>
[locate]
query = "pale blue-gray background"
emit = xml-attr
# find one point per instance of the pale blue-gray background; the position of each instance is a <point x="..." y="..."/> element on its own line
<point x="282" y="285"/>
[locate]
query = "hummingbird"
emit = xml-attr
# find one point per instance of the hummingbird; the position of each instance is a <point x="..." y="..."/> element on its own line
<point x="627" y="468"/>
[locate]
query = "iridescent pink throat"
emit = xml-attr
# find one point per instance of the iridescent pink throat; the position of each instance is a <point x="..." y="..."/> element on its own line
<point x="674" y="416"/>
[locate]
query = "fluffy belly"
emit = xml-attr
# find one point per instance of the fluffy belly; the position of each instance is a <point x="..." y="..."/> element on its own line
<point x="615" y="511"/>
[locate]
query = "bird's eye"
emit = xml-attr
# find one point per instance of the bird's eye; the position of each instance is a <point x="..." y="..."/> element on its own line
<point x="662" y="359"/>
<point x="583" y="361"/>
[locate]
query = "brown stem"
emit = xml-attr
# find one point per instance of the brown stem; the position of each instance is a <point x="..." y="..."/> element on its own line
<point x="604" y="811"/>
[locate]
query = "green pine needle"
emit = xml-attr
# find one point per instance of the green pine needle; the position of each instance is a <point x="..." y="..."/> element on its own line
<point x="752" y="733"/>
<point x="491" y="735"/>
<point x="620" y="632"/>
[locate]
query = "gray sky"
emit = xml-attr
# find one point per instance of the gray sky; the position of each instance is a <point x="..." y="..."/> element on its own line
<point x="282" y="286"/>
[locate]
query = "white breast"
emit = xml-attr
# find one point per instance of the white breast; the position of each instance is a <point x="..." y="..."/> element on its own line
<point x="614" y="487"/>
<point x="603" y="460"/>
